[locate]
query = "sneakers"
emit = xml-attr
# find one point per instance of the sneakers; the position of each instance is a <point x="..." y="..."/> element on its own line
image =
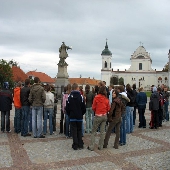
<point x="8" y="131"/>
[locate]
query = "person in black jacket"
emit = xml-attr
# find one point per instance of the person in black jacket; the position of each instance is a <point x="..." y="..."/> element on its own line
<point x="24" y="94"/>
<point x="5" y="107"/>
<point x="75" y="108"/>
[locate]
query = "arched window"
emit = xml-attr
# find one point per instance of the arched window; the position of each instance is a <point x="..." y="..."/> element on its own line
<point x="140" y="66"/>
<point x="105" y="64"/>
<point x="110" y="64"/>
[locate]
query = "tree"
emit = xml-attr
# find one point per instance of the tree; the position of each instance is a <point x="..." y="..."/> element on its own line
<point x="121" y="81"/>
<point x="114" y="80"/>
<point x="166" y="67"/>
<point x="6" y="73"/>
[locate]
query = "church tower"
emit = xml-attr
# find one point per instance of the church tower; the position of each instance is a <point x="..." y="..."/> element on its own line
<point x="106" y="65"/>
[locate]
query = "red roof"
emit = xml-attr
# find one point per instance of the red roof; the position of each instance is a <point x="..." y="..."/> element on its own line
<point x="18" y="74"/>
<point x="44" y="78"/>
<point x="82" y="81"/>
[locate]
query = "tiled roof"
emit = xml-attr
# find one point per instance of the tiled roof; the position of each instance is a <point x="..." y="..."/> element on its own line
<point x="18" y="74"/>
<point x="82" y="81"/>
<point x="44" y="78"/>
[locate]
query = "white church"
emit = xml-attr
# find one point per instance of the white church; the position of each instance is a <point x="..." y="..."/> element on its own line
<point x="139" y="73"/>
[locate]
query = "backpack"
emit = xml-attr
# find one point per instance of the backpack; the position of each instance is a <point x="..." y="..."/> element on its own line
<point x="47" y="101"/>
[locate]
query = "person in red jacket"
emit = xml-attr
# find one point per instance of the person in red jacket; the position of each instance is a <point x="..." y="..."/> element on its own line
<point x="17" y="104"/>
<point x="101" y="107"/>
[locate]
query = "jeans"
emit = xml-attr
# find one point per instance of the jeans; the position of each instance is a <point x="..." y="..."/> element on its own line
<point x="68" y="129"/>
<point x="129" y="119"/>
<point x="30" y="120"/>
<point x="24" y="120"/>
<point x="18" y="116"/>
<point x="89" y="117"/>
<point x="37" y="114"/>
<point x="48" y="111"/>
<point x="166" y="113"/>
<point x="123" y="129"/>
<point x="98" y="120"/>
<point x="5" y="114"/>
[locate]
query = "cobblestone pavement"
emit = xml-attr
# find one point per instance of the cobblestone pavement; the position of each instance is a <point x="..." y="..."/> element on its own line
<point x="146" y="149"/>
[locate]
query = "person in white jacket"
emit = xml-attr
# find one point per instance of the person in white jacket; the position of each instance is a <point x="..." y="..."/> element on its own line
<point x="48" y="110"/>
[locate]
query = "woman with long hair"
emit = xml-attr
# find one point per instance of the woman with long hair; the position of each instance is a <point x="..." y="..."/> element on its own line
<point x="101" y="107"/>
<point x="114" y="119"/>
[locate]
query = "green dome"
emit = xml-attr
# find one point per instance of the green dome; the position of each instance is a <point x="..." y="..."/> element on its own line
<point x="106" y="51"/>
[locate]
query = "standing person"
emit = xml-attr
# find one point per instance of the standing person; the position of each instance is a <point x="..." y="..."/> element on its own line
<point x="114" y="119"/>
<point x="37" y="98"/>
<point x="130" y="107"/>
<point x="48" y="110"/>
<point x="111" y="87"/>
<point x="161" y="104"/>
<point x="135" y="105"/>
<point x="125" y="100"/>
<point x="155" y="107"/>
<point x="5" y="107"/>
<point x="141" y="100"/>
<point x="62" y="113"/>
<point x="82" y="93"/>
<point x="166" y="103"/>
<point x="89" y="112"/>
<point x="18" y="110"/>
<point x="101" y="108"/>
<point x="24" y="94"/>
<point x="75" y="108"/>
<point x="67" y="118"/>
<point x="107" y="89"/>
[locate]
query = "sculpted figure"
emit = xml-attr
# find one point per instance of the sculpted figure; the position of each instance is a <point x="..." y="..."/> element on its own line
<point x="63" y="51"/>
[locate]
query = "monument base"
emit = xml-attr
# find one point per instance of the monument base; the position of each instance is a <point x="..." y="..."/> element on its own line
<point x="60" y="84"/>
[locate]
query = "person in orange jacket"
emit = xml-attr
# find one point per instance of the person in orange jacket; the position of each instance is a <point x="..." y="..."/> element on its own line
<point x="17" y="104"/>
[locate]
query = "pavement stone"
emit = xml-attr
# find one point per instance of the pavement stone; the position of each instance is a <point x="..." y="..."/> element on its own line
<point x="145" y="149"/>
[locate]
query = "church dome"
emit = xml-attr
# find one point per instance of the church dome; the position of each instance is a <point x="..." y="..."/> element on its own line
<point x="106" y="51"/>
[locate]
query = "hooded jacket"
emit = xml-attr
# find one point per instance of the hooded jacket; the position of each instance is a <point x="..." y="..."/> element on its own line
<point x="155" y="100"/>
<point x="101" y="105"/>
<point x="17" y="101"/>
<point x="37" y="95"/>
<point x="117" y="108"/>
<point x="5" y="100"/>
<point x="75" y="106"/>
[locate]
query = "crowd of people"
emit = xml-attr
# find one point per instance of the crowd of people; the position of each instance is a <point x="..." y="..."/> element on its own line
<point x="107" y="110"/>
<point x="33" y="106"/>
<point x="110" y="110"/>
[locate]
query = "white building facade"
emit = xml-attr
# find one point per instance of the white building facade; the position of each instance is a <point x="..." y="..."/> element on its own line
<point x="139" y="73"/>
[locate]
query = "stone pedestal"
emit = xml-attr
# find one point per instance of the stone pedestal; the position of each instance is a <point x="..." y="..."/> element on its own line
<point x="62" y="75"/>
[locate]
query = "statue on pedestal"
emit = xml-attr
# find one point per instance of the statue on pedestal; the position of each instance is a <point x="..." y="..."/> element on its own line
<point x="63" y="54"/>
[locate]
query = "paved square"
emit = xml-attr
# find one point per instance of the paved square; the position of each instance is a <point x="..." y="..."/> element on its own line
<point x="158" y="161"/>
<point x="5" y="156"/>
<point x="54" y="151"/>
<point x="159" y="134"/>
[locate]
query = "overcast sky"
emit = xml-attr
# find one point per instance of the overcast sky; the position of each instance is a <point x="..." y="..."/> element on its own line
<point x="31" y="32"/>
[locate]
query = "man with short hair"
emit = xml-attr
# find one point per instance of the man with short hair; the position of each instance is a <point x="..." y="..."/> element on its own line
<point x="75" y="108"/>
<point x="5" y="107"/>
<point x="37" y="98"/>
<point x="24" y="94"/>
